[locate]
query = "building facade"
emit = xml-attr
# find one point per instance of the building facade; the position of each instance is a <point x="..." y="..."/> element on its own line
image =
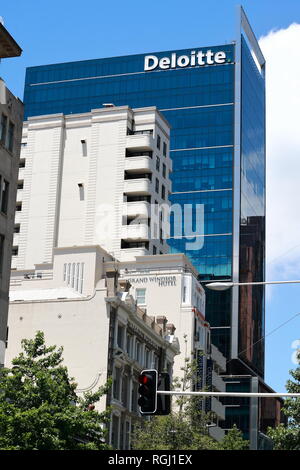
<point x="103" y="332"/>
<point x="213" y="98"/>
<point x="167" y="286"/>
<point x="11" y="119"/>
<point x="92" y="178"/>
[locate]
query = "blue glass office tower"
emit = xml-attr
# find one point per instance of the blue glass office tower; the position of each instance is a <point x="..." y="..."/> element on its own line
<point x="216" y="108"/>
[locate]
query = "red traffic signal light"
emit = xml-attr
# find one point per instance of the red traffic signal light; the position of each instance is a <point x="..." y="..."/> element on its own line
<point x="148" y="391"/>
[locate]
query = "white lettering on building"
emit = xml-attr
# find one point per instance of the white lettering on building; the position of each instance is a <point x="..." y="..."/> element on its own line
<point x="196" y="58"/>
<point x="162" y="281"/>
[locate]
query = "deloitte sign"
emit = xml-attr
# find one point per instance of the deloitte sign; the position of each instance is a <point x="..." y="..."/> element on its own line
<point x="196" y="58"/>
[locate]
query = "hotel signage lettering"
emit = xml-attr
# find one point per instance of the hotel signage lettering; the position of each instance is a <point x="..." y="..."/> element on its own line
<point x="162" y="281"/>
<point x="196" y="58"/>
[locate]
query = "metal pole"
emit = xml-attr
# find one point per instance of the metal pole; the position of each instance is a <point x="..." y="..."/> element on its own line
<point x="230" y="394"/>
<point x="264" y="282"/>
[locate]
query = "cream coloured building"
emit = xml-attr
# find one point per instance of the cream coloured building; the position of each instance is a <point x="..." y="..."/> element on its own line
<point x="92" y="202"/>
<point x="167" y="286"/>
<point x="92" y="178"/>
<point x="91" y="313"/>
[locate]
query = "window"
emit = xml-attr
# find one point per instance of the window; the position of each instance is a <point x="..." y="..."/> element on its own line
<point x="22" y="163"/>
<point x="120" y="336"/>
<point x="155" y="360"/>
<point x="15" y="250"/>
<point x="3" y="127"/>
<point x="125" y="387"/>
<point x="134" y="397"/>
<point x="17" y="228"/>
<point x="117" y="383"/>
<point x="157" y="185"/>
<point x="141" y="296"/>
<point x="163" y="192"/>
<point x="20" y="184"/>
<point x="184" y="294"/>
<point x="4" y="196"/>
<point x="115" y="432"/>
<point x="164" y="170"/>
<point x="1" y="252"/>
<point x="157" y="163"/>
<point x="164" y="149"/>
<point x="127" y="436"/>
<point x="158" y="141"/>
<point x="147" y="359"/>
<point x="10" y="137"/>
<point x="129" y="345"/>
<point x="19" y="206"/>
<point x="138" y="351"/>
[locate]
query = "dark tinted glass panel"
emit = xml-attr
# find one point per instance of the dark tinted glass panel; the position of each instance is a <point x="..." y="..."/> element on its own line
<point x="252" y="228"/>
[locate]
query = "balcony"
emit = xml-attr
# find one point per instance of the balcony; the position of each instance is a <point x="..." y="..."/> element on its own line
<point x="218" y="408"/>
<point x="141" y="163"/>
<point x="18" y="216"/>
<point x="128" y="254"/>
<point x="218" y="382"/>
<point x="137" y="186"/>
<point x="16" y="239"/>
<point x="216" y="433"/>
<point x="140" y="141"/>
<point x="21" y="173"/>
<point x="136" y="208"/>
<point x="135" y="232"/>
<point x="20" y="193"/>
<point x="218" y="357"/>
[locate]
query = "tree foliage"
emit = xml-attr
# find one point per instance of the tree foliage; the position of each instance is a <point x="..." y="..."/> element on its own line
<point x="39" y="407"/>
<point x="234" y="440"/>
<point x="171" y="432"/>
<point x="287" y="437"/>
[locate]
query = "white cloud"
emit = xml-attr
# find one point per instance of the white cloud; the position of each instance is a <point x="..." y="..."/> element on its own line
<point x="282" y="53"/>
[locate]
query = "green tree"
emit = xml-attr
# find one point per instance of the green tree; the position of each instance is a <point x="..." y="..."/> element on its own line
<point x="172" y="432"/>
<point x="39" y="407"/>
<point x="234" y="440"/>
<point x="287" y="437"/>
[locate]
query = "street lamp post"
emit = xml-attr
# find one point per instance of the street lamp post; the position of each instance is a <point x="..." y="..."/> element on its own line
<point x="220" y="286"/>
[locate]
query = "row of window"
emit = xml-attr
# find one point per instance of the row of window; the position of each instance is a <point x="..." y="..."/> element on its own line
<point x="157" y="166"/>
<point x="163" y="189"/>
<point x="7" y="129"/>
<point x="158" y="145"/>
<point x="17" y="227"/>
<point x="135" y="349"/>
<point x="114" y="66"/>
<point x="73" y="275"/>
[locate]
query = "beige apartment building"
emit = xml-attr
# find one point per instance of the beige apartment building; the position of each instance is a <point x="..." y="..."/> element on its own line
<point x="11" y="117"/>
<point x="91" y="313"/>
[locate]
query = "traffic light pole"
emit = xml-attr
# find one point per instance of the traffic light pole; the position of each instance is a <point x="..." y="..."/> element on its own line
<point x="229" y="394"/>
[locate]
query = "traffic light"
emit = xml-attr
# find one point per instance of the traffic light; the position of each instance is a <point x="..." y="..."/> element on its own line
<point x="147" y="391"/>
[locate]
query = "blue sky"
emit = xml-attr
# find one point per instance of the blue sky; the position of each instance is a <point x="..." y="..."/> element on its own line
<point x="60" y="31"/>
